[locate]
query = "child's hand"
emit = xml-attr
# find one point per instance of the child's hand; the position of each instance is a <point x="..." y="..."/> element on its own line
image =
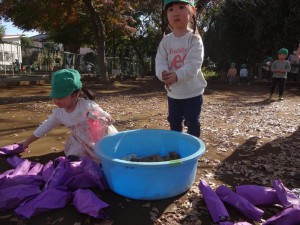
<point x="279" y="71"/>
<point x="107" y="120"/>
<point x="24" y="145"/>
<point x="110" y="121"/>
<point x="170" y="79"/>
<point x="164" y="75"/>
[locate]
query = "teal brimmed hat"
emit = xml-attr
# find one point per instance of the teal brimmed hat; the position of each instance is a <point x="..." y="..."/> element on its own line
<point x="243" y="66"/>
<point x="166" y="2"/>
<point x="64" y="82"/>
<point x="283" y="51"/>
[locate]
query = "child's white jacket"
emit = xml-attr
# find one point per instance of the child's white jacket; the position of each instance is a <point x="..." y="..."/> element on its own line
<point x="184" y="56"/>
<point x="80" y="143"/>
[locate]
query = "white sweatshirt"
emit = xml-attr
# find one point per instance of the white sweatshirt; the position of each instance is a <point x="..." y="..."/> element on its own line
<point x="80" y="142"/>
<point x="184" y="56"/>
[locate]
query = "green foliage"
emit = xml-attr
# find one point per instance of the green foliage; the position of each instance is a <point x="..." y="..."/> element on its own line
<point x="233" y="30"/>
<point x="2" y="30"/>
<point x="249" y="31"/>
<point x="26" y="42"/>
<point x="90" y="57"/>
<point x="209" y="74"/>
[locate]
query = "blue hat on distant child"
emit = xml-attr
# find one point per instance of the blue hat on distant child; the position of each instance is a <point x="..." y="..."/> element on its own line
<point x="64" y="82"/>
<point x="243" y="66"/>
<point x="166" y="2"/>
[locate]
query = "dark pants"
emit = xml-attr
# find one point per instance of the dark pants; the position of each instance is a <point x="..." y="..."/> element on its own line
<point x="280" y="82"/>
<point x="266" y="74"/>
<point x="244" y="80"/>
<point x="187" y="110"/>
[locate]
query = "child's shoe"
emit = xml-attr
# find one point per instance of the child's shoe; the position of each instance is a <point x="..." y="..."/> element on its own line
<point x="270" y="96"/>
<point x="280" y="98"/>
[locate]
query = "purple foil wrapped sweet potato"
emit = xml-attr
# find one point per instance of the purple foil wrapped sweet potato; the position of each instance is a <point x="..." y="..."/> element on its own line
<point x="240" y="203"/>
<point x="286" y="197"/>
<point x="215" y="206"/>
<point x="85" y="201"/>
<point x="12" y="149"/>
<point x="258" y="195"/>
<point x="47" y="200"/>
<point x="11" y="197"/>
<point x="289" y="216"/>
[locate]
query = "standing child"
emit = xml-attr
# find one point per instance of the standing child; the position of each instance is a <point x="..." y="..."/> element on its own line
<point x="244" y="74"/>
<point x="294" y="61"/>
<point x="231" y="74"/>
<point x="280" y="68"/>
<point x="86" y="120"/>
<point x="178" y="64"/>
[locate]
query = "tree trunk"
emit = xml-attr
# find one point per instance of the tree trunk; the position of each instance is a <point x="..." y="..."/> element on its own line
<point x="99" y="32"/>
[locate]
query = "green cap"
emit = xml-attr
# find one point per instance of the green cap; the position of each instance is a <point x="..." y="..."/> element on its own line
<point x="283" y="51"/>
<point x="64" y="82"/>
<point x="244" y="66"/>
<point x="166" y="2"/>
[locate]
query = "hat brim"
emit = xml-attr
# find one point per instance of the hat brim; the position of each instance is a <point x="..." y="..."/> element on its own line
<point x="60" y="94"/>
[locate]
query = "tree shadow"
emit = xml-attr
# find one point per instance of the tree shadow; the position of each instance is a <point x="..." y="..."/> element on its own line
<point x="23" y="99"/>
<point x="277" y="159"/>
<point x="256" y="163"/>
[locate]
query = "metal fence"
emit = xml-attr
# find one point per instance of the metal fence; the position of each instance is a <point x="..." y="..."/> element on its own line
<point x="16" y="59"/>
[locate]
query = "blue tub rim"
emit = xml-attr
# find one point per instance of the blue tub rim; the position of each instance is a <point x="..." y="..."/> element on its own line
<point x="176" y="162"/>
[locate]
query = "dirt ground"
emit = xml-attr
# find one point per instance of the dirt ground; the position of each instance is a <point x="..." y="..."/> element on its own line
<point x="249" y="140"/>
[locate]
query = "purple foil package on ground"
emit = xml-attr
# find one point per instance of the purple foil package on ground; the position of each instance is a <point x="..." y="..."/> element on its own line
<point x="77" y="179"/>
<point x="36" y="169"/>
<point x="215" y="206"/>
<point x="21" y="187"/>
<point x="60" y="174"/>
<point x="240" y="203"/>
<point x="7" y="182"/>
<point x="22" y="169"/>
<point x="258" y="195"/>
<point x="11" y="197"/>
<point x="287" y="197"/>
<point x="93" y="171"/>
<point x="5" y="174"/>
<point x="289" y="216"/>
<point x="45" y="201"/>
<point x="85" y="201"/>
<point x="14" y="161"/>
<point x="47" y="171"/>
<point x="11" y="149"/>
<point x="238" y="223"/>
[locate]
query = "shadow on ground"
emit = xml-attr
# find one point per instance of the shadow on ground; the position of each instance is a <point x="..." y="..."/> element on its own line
<point x="254" y="164"/>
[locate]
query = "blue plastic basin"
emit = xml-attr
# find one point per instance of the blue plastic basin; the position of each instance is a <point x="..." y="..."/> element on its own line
<point x="149" y="180"/>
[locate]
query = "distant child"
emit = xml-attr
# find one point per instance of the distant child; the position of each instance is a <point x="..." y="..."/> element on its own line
<point x="231" y="74"/>
<point x="244" y="74"/>
<point x="178" y="64"/>
<point x="86" y="120"/>
<point x="266" y="69"/>
<point x="294" y="61"/>
<point x="280" y="68"/>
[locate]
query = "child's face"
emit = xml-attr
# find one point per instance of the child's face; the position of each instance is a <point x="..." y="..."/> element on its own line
<point x="179" y="15"/>
<point x="281" y="56"/>
<point x="66" y="102"/>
